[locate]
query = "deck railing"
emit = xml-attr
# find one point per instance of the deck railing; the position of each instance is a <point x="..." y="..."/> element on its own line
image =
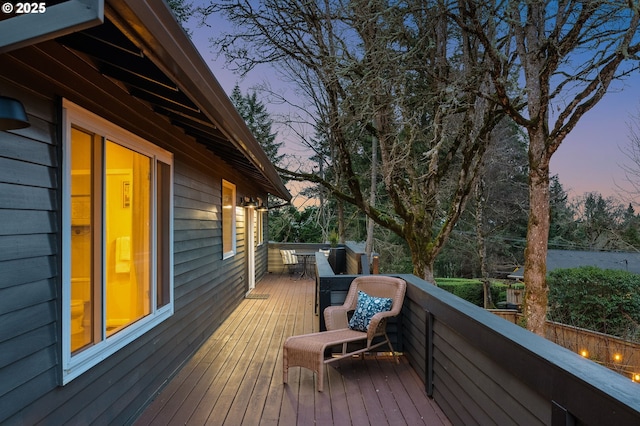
<point x="481" y="369"/>
<point x="353" y="251"/>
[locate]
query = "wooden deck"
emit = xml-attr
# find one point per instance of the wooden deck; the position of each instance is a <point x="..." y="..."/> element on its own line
<point x="235" y="378"/>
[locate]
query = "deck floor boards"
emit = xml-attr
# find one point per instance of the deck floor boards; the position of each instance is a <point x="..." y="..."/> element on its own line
<point x="235" y="378"/>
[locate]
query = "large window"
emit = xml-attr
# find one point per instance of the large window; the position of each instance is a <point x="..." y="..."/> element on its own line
<point x="117" y="272"/>
<point x="228" y="219"/>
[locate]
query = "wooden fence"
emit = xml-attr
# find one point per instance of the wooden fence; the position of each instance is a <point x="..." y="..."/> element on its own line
<point x="610" y="351"/>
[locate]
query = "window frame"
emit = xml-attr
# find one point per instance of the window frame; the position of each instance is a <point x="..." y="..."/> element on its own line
<point x="231" y="226"/>
<point x="73" y="365"/>
<point x="259" y="225"/>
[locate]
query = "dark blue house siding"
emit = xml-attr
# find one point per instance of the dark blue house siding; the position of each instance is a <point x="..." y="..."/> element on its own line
<point x="206" y="287"/>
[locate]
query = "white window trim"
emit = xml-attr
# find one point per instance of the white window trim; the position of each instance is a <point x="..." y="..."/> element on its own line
<point x="259" y="216"/>
<point x="259" y="228"/>
<point x="74" y="365"/>
<point x="234" y="231"/>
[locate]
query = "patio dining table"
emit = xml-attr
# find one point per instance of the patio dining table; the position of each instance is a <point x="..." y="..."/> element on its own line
<point x="305" y="255"/>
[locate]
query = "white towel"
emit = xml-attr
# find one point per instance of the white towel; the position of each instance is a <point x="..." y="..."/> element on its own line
<point x="123" y="255"/>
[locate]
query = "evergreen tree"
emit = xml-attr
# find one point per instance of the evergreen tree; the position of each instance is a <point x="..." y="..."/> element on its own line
<point x="630" y="224"/>
<point x="562" y="227"/>
<point x="257" y="118"/>
<point x="182" y="9"/>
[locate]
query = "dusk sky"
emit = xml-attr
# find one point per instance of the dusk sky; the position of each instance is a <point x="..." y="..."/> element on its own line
<point x="588" y="160"/>
<point x="590" y="157"/>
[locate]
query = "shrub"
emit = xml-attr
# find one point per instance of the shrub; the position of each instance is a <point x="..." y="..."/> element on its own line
<point x="469" y="290"/>
<point x="606" y="301"/>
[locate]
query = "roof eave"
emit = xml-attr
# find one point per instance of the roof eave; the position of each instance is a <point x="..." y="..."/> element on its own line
<point x="164" y="41"/>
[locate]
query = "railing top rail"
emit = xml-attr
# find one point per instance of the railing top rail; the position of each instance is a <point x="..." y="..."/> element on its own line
<point x="590" y="392"/>
<point x="547" y="368"/>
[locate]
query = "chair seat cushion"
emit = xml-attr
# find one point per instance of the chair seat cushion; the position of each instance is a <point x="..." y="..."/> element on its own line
<point x="288" y="258"/>
<point x="366" y="308"/>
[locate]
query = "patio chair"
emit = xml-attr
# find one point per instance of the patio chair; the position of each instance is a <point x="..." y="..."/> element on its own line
<point x="289" y="260"/>
<point x="364" y="325"/>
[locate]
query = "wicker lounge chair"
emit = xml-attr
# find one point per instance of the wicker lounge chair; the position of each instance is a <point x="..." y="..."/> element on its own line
<point x="308" y="350"/>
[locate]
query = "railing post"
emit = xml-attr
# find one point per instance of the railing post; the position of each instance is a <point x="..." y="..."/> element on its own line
<point x="324" y="300"/>
<point x="429" y="355"/>
<point x="560" y="416"/>
<point x="364" y="265"/>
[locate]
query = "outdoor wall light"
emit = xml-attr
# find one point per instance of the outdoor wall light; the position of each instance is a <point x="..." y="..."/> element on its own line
<point x="263" y="208"/>
<point x="12" y="114"/>
<point x="248" y="202"/>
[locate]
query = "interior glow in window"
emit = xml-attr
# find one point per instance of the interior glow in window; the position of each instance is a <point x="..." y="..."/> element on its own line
<point x="117" y="274"/>
<point x="228" y="219"/>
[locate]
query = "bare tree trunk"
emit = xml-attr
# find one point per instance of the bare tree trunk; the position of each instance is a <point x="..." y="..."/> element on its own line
<point x="403" y="70"/>
<point x="535" y="265"/>
<point x="341" y="221"/>
<point x="549" y="44"/>
<point x="422" y="257"/>
<point x="368" y="249"/>
<point x="481" y="243"/>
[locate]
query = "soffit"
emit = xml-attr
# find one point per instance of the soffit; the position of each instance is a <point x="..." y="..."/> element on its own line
<point x="120" y="59"/>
